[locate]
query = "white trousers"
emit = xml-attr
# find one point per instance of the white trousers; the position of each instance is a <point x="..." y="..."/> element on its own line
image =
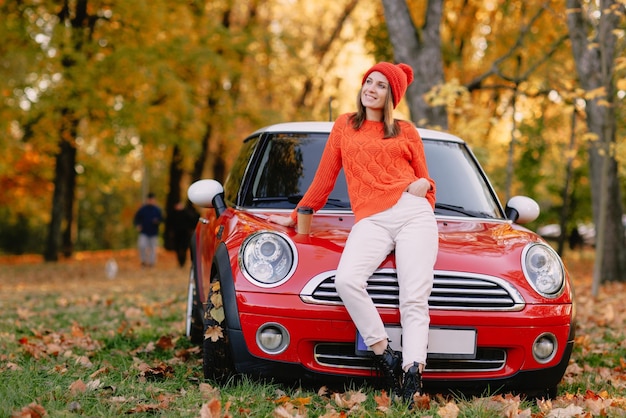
<point x="147" y="249"/>
<point x="409" y="227"/>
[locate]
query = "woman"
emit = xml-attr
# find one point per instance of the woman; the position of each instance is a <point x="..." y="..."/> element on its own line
<point x="392" y="198"/>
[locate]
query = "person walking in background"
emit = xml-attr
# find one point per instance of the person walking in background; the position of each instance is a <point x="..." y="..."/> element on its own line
<point x="147" y="221"/>
<point x="184" y="220"/>
<point x="393" y="198"/>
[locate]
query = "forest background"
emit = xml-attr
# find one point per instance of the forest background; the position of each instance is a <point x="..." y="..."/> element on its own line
<point x="102" y="101"/>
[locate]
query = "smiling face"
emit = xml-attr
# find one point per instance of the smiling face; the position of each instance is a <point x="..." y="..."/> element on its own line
<point x="374" y="91"/>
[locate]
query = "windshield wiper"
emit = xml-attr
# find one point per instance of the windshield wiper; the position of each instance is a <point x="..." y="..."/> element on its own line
<point x="337" y="203"/>
<point x="295" y="199"/>
<point x="461" y="210"/>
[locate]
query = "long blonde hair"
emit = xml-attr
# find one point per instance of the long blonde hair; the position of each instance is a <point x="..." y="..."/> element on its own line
<point x="391" y="127"/>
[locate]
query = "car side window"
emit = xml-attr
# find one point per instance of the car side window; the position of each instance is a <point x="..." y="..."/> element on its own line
<point x="234" y="181"/>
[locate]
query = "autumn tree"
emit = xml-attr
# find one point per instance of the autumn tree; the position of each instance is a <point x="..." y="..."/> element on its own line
<point x="420" y="47"/>
<point x="595" y="45"/>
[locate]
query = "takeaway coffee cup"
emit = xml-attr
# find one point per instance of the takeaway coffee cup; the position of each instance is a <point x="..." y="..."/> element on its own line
<point x="305" y="216"/>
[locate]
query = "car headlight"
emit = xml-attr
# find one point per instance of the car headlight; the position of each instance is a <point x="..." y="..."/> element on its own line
<point x="267" y="258"/>
<point x="543" y="270"/>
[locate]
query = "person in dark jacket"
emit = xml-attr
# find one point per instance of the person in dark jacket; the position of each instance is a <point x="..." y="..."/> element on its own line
<point x="184" y="220"/>
<point x="147" y="221"/>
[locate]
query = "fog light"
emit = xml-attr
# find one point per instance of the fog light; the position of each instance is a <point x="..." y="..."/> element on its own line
<point x="272" y="338"/>
<point x="544" y="347"/>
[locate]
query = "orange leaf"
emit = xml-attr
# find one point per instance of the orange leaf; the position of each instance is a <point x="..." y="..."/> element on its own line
<point x="165" y="343"/>
<point x="214" y="333"/>
<point x="31" y="411"/>
<point x="77" y="386"/>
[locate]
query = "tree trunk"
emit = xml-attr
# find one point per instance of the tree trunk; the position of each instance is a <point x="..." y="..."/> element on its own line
<point x="595" y="66"/>
<point x="173" y="197"/>
<point x="64" y="169"/>
<point x="421" y="49"/>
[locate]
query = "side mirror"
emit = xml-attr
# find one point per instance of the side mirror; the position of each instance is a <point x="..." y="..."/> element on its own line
<point x="207" y="194"/>
<point x="521" y="209"/>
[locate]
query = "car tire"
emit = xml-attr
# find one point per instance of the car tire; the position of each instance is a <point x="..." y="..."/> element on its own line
<point x="194" y="324"/>
<point x="217" y="364"/>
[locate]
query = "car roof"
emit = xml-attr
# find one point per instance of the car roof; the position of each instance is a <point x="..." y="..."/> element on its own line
<point x="325" y="127"/>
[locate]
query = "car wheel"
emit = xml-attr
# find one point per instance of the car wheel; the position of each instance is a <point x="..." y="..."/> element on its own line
<point x="217" y="357"/>
<point x="194" y="327"/>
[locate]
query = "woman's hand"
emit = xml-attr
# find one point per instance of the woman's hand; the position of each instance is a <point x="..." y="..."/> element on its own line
<point x="281" y="220"/>
<point x="419" y="187"/>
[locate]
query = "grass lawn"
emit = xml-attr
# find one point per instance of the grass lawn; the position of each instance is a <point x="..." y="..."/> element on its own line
<point x="74" y="342"/>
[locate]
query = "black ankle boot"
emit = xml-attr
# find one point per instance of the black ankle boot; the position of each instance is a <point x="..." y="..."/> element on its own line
<point x="389" y="365"/>
<point x="412" y="384"/>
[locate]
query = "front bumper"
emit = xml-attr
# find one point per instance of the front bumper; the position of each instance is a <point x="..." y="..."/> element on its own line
<point x="322" y="342"/>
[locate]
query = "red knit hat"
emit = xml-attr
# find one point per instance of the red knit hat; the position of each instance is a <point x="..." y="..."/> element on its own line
<point x="399" y="77"/>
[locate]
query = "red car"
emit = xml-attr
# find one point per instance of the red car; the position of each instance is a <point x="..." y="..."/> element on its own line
<point x="262" y="299"/>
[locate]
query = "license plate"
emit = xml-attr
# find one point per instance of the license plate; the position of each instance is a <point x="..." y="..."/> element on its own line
<point x="450" y="343"/>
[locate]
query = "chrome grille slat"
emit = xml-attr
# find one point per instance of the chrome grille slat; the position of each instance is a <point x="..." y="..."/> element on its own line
<point x="342" y="355"/>
<point x="451" y="290"/>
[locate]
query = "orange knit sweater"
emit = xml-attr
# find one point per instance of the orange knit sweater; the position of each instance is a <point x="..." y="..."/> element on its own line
<point x="377" y="170"/>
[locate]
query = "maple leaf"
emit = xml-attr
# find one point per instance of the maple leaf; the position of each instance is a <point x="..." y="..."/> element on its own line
<point x="13" y="366"/>
<point x="77" y="331"/>
<point x="165" y="343"/>
<point x="450" y="410"/>
<point x="77" y="386"/>
<point x="350" y="399"/>
<point x="382" y="401"/>
<point x="571" y="411"/>
<point x="213" y="409"/>
<point x="288" y="410"/>
<point x="208" y="391"/>
<point x="421" y="401"/>
<point x="33" y="410"/>
<point x="214" y="333"/>
<point x="84" y="361"/>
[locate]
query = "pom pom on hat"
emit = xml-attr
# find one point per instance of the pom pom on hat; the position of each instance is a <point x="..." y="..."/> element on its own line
<point x="399" y="77"/>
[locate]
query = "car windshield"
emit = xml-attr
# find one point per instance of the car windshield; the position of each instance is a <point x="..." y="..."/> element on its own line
<point x="284" y="170"/>
<point x="462" y="188"/>
<point x="275" y="170"/>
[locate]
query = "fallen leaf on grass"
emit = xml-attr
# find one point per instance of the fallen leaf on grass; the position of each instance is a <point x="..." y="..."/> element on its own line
<point x="208" y="391"/>
<point x="289" y="410"/>
<point x="84" y="361"/>
<point x="571" y="411"/>
<point x="13" y="366"/>
<point x="31" y="411"/>
<point x="77" y="387"/>
<point x="166" y="343"/>
<point x="98" y="372"/>
<point x="213" y="409"/>
<point x="158" y="372"/>
<point x="350" y="399"/>
<point x="421" y="401"/>
<point x="450" y="410"/>
<point x="383" y="402"/>
<point x="164" y="403"/>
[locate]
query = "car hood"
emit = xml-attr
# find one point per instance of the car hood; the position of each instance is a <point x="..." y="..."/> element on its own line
<point x="478" y="247"/>
<point x="475" y="241"/>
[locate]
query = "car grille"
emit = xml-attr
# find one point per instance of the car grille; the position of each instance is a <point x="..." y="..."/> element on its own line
<point x="342" y="355"/>
<point x="451" y="290"/>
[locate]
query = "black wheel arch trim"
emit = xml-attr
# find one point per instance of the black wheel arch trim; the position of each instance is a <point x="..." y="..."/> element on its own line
<point x="221" y="262"/>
